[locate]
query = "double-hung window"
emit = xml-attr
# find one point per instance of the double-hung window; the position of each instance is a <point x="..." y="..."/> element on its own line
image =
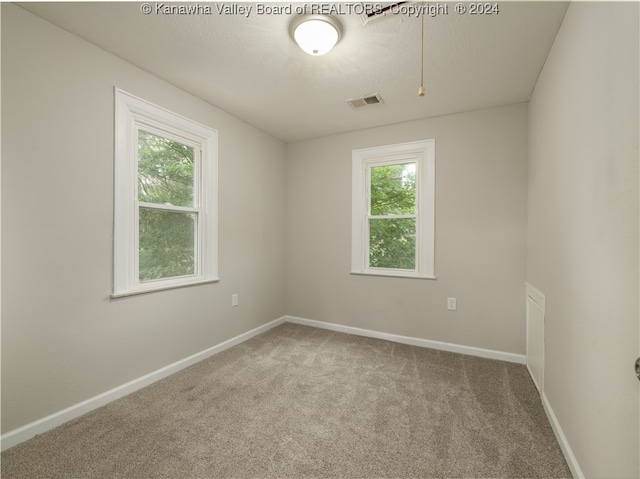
<point x="165" y="226"/>
<point x="393" y="210"/>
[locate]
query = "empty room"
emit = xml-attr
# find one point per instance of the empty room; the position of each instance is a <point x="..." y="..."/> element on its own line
<point x="347" y="240"/>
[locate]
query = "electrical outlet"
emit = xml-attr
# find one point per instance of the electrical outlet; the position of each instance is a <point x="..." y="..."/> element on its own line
<point x="234" y="299"/>
<point x="452" y="304"/>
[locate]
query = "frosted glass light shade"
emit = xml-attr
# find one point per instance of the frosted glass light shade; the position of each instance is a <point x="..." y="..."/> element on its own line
<point x="316" y="34"/>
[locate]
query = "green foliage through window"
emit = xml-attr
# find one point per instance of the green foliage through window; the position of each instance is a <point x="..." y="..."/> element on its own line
<point x="166" y="236"/>
<point x="165" y="170"/>
<point x="392" y="221"/>
<point x="392" y="243"/>
<point x="167" y="244"/>
<point x="393" y="189"/>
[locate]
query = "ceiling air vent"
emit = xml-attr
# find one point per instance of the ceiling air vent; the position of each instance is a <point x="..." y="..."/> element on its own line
<point x="371" y="11"/>
<point x="372" y="99"/>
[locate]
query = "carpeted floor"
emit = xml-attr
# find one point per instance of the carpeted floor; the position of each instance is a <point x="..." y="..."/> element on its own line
<point x="299" y="402"/>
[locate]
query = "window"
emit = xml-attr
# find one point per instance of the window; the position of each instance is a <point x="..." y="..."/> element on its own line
<point x="165" y="228"/>
<point x="393" y="210"/>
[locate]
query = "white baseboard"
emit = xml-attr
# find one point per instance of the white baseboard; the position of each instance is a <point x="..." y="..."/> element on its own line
<point x="28" y="431"/>
<point x="425" y="343"/>
<point x="572" y="462"/>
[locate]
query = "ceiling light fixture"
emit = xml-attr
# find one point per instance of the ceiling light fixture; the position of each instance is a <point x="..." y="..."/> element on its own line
<point x="316" y="34"/>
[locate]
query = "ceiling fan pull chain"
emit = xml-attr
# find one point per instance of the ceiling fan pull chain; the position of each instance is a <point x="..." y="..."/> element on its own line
<point x="421" y="89"/>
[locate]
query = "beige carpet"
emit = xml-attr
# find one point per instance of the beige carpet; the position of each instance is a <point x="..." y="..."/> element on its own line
<point x="300" y="402"/>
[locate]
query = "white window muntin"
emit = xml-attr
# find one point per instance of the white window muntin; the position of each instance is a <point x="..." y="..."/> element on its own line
<point x="424" y="153"/>
<point x="131" y="115"/>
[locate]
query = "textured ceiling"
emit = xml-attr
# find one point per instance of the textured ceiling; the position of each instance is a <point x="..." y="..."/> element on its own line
<point x="249" y="66"/>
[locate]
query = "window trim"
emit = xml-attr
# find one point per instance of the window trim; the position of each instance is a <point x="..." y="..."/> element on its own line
<point x="131" y="113"/>
<point x="423" y="153"/>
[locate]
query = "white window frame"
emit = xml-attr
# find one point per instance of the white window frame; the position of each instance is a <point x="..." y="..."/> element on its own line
<point x="423" y="154"/>
<point x="131" y="114"/>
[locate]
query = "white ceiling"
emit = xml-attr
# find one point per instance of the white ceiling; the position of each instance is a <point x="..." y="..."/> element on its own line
<point x="250" y="67"/>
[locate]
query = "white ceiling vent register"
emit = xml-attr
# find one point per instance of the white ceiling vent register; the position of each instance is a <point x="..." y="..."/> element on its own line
<point x="371" y="11"/>
<point x="372" y="99"/>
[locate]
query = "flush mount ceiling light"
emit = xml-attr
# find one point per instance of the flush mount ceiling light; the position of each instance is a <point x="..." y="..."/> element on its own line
<point x="316" y="34"/>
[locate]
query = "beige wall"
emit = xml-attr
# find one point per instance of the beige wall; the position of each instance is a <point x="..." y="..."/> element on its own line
<point x="583" y="231"/>
<point x="63" y="339"/>
<point x="480" y="233"/>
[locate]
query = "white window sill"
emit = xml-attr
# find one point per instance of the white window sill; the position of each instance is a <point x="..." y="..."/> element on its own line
<point x="387" y="274"/>
<point x="153" y="289"/>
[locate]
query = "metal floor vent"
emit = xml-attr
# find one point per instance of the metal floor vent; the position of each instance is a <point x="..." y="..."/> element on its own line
<point x="372" y="99"/>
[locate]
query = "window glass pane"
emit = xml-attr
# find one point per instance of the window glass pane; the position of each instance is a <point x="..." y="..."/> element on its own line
<point x="392" y="243"/>
<point x="165" y="170"/>
<point x="393" y="189"/>
<point x="167" y="247"/>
